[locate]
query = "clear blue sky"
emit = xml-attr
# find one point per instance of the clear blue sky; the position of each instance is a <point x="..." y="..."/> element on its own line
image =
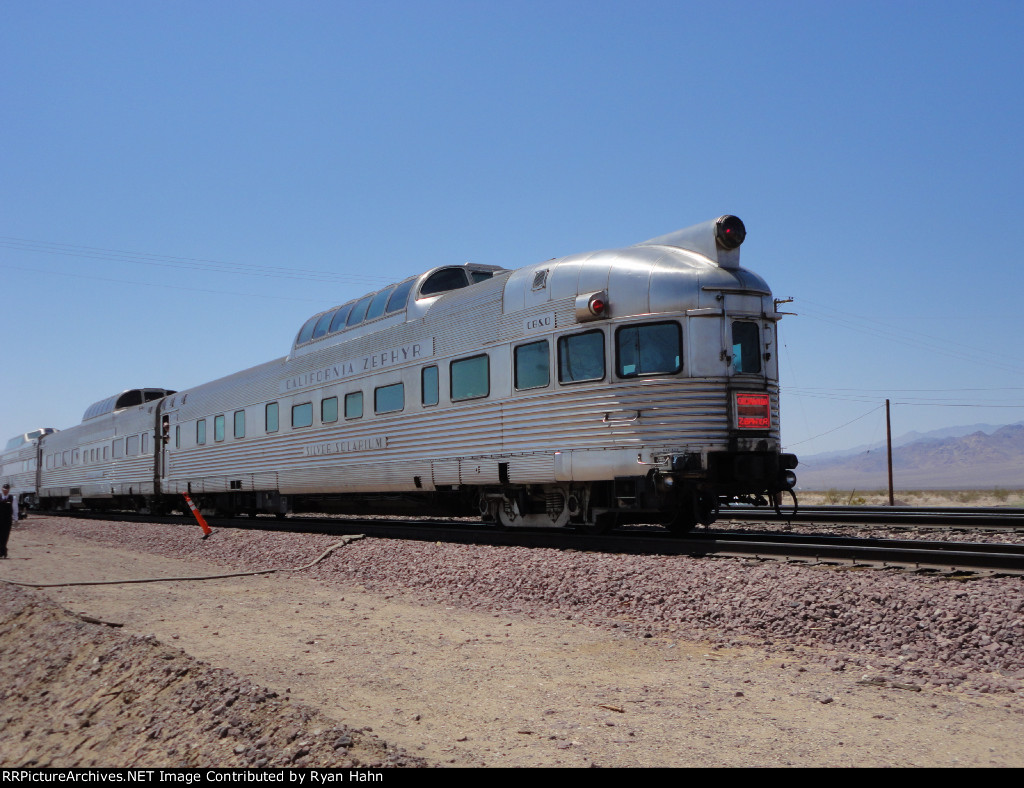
<point x="183" y="183"/>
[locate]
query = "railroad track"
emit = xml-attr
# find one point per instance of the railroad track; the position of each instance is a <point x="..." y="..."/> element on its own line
<point x="937" y="556"/>
<point x="905" y="516"/>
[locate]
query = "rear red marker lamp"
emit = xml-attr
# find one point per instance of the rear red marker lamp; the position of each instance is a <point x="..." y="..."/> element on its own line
<point x="753" y="410"/>
<point x="592" y="306"/>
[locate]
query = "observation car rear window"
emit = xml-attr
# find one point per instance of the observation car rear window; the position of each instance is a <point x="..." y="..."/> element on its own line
<point x="649" y="349"/>
<point x="581" y="357"/>
<point x="470" y="378"/>
<point x="444" y="280"/>
<point x="746" y="347"/>
<point x="387" y="399"/>
<point x="532" y="365"/>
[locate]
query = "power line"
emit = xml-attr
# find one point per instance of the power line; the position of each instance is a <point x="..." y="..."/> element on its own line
<point x="916" y="339"/>
<point x="834" y="429"/>
<point x="185" y="263"/>
<point x="163" y="285"/>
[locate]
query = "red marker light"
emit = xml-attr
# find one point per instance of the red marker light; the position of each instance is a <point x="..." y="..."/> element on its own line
<point x="596" y="306"/>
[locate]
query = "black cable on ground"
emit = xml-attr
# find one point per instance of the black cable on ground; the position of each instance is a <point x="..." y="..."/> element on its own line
<point x="328" y="551"/>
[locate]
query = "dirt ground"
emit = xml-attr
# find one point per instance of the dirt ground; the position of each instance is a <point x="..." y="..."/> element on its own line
<point x="461" y="688"/>
<point x="1013" y="497"/>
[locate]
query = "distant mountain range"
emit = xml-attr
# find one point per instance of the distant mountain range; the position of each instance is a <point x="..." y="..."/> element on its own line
<point x="977" y="456"/>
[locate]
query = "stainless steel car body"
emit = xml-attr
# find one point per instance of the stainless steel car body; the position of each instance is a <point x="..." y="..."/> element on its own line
<point x="109" y="456"/>
<point x="19" y="463"/>
<point x="443" y="412"/>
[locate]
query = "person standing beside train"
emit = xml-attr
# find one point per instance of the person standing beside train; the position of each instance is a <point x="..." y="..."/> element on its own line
<point x="8" y="514"/>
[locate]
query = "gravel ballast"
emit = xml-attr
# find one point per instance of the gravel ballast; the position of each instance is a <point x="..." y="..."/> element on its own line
<point x="889" y="625"/>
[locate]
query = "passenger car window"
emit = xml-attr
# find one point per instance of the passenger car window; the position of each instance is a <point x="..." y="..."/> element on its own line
<point x="304" y="334"/>
<point x="358" y="311"/>
<point x="340" y="316"/>
<point x="218" y="428"/>
<point x="201" y="432"/>
<point x="400" y="296"/>
<point x="302" y="415"/>
<point x="429" y="385"/>
<point x="322" y="324"/>
<point x="470" y="378"/>
<point x="649" y="349"/>
<point x="239" y="423"/>
<point x="329" y="409"/>
<point x="581" y="357"/>
<point x="532" y="367"/>
<point x="746" y="347"/>
<point x="376" y="308"/>
<point x="272" y="414"/>
<point x="354" y="405"/>
<point x="387" y="399"/>
<point x="131" y="445"/>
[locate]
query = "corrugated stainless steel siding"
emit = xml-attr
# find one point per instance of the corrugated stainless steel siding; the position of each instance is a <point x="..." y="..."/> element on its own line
<point x="446" y="446"/>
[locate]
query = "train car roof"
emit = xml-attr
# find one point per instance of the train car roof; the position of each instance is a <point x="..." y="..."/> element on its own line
<point x="682" y="270"/>
<point x="380" y="307"/>
<point x="28" y="437"/>
<point x="124" y="399"/>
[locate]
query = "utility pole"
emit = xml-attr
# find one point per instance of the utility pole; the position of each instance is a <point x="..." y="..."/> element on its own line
<point x="888" y="445"/>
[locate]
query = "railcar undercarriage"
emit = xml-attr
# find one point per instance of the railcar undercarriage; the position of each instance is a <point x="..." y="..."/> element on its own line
<point x="679" y="498"/>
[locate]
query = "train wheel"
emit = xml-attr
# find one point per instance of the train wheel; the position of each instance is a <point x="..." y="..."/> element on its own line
<point x="679" y="522"/>
<point x="602" y="523"/>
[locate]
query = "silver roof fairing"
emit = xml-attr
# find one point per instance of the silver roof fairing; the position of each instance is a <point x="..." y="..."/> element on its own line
<point x="671" y="273"/>
<point x="28" y="437"/>
<point x="112" y="403"/>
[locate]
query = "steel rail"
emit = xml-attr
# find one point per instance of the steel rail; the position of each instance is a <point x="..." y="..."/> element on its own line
<point x="935" y="516"/>
<point x="905" y="553"/>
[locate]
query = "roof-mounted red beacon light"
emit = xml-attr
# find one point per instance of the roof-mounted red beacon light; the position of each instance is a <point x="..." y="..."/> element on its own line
<point x="729" y="231"/>
<point x="591" y="306"/>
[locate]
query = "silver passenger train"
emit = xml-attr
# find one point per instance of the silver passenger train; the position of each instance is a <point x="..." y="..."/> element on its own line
<point x="629" y="385"/>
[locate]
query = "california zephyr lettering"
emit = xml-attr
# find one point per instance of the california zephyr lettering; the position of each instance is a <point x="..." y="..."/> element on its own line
<point x="346" y="369"/>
